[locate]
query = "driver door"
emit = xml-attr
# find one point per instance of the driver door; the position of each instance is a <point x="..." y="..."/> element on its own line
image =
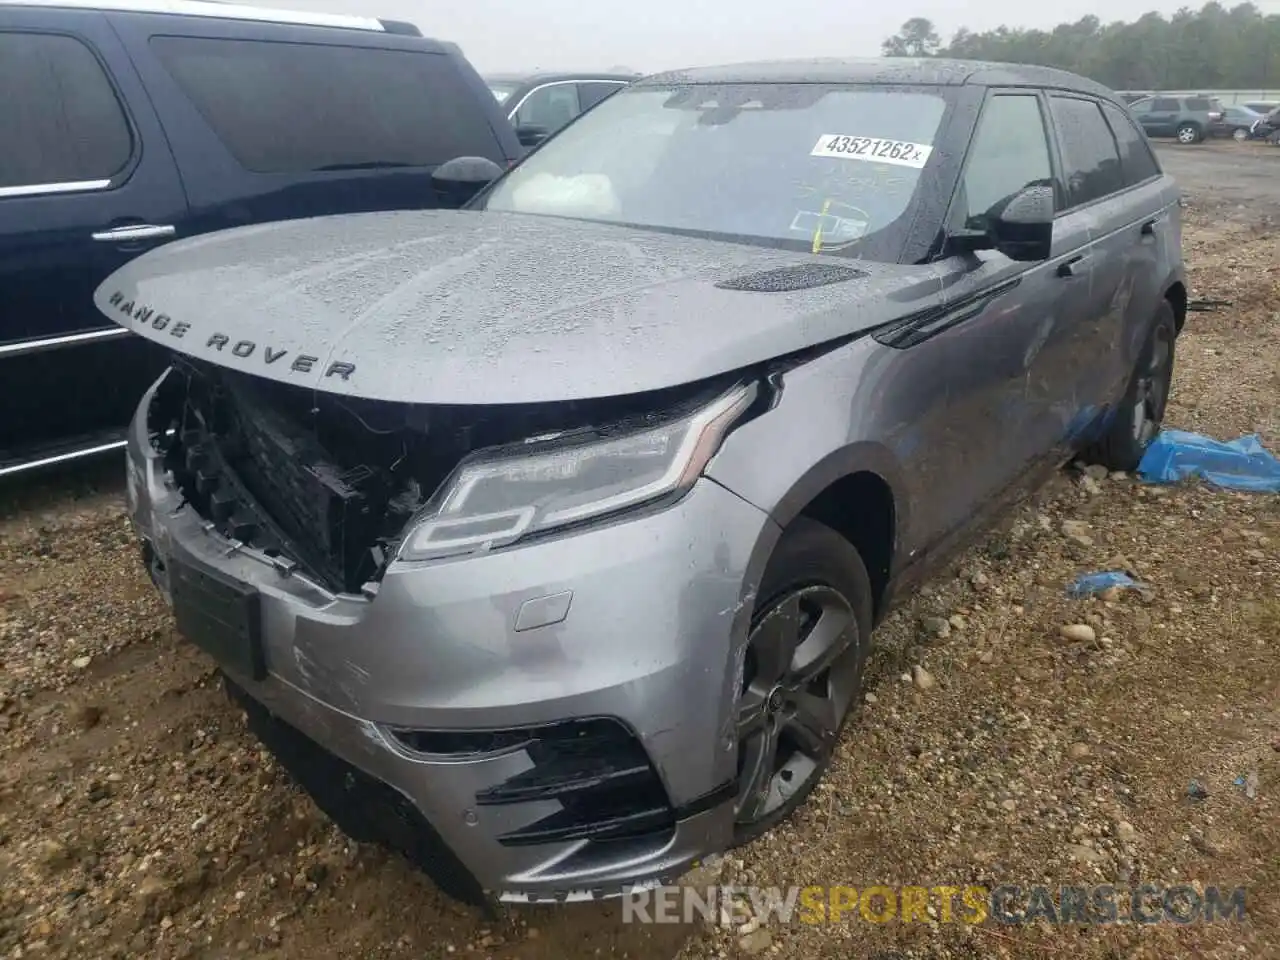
<point x="1006" y="374"/>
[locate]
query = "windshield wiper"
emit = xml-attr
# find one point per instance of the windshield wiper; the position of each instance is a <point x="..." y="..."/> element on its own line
<point x="366" y="165"/>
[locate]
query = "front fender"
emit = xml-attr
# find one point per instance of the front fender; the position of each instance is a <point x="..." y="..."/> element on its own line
<point x="829" y="422"/>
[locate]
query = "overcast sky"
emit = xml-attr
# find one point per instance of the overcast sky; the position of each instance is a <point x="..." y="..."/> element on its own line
<point x="650" y="35"/>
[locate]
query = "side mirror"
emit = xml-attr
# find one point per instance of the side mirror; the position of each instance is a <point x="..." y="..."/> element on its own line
<point x="458" y="180"/>
<point x="1023" y="230"/>
<point x="531" y="136"/>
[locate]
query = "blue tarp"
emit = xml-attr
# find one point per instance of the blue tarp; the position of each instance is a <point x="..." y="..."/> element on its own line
<point x="1242" y="464"/>
<point x="1087" y="584"/>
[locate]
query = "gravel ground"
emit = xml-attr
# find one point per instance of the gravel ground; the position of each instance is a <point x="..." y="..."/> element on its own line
<point x="137" y="818"/>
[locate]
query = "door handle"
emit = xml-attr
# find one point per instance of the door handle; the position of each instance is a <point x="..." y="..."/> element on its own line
<point x="1073" y="267"/>
<point x="1149" y="228"/>
<point x="134" y="233"/>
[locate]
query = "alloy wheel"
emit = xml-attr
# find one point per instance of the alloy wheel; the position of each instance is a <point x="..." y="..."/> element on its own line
<point x="1187" y="135"/>
<point x="1152" y="391"/>
<point x="1239" y="134"/>
<point x="800" y="675"/>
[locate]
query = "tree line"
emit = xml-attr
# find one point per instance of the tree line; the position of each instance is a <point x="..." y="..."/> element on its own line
<point x="1209" y="48"/>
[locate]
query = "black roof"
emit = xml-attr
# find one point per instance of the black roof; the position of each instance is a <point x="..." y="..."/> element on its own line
<point x="885" y="70"/>
<point x="544" y="76"/>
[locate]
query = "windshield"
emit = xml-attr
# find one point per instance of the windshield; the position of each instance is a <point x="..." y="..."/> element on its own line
<point x="502" y="90"/>
<point x="806" y="166"/>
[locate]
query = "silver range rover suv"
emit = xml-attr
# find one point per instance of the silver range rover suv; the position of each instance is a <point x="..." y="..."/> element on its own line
<point x="544" y="539"/>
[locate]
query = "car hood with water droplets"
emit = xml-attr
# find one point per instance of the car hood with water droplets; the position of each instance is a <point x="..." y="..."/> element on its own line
<point x="478" y="307"/>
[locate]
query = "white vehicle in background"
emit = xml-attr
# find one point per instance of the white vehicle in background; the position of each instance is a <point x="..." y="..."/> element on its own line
<point x="539" y="104"/>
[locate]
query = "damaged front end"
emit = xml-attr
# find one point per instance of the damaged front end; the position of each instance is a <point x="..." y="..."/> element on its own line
<point x="337" y="487"/>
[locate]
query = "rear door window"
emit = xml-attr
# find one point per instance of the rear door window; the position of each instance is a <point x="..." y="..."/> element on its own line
<point x="1165" y="105"/>
<point x="1198" y="104"/>
<point x="299" y="107"/>
<point x="1089" y="153"/>
<point x="1136" y="158"/>
<point x="65" y="125"/>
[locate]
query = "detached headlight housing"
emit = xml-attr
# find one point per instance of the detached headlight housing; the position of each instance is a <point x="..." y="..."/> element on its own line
<point x="499" y="496"/>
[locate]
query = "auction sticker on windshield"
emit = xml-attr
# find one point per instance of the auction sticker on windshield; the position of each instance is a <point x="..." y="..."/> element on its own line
<point x="903" y="153"/>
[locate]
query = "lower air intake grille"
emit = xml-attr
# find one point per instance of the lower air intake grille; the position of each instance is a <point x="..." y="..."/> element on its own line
<point x="596" y="769"/>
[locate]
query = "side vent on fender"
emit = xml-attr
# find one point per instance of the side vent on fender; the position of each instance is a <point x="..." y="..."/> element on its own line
<point x="918" y="327"/>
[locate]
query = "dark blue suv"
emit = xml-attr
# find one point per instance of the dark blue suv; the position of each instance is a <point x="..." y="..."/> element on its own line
<point x="125" y="125"/>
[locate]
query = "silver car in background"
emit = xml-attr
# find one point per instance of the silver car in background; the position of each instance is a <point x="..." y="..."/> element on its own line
<point x="544" y="540"/>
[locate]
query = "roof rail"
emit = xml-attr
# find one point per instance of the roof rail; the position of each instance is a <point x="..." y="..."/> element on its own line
<point x="217" y="9"/>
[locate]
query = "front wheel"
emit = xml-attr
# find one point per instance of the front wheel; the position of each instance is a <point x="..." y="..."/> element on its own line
<point x="1189" y="133"/>
<point x="1141" y="412"/>
<point x="801" y="673"/>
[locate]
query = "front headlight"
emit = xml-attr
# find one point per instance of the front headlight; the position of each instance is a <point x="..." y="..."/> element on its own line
<point x="495" y="499"/>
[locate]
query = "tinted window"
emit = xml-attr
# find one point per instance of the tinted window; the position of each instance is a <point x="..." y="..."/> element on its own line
<point x="293" y="107"/>
<point x="1165" y="105"/>
<point x="1141" y="106"/>
<point x="801" y="166"/>
<point x="1088" y="150"/>
<point x="1135" y="153"/>
<point x="549" y="107"/>
<point x="1010" y="151"/>
<point x="60" y="121"/>
<point x="589" y="94"/>
<point x="1198" y="103"/>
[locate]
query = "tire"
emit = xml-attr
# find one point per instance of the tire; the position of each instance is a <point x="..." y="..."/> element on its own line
<point x="1126" y="440"/>
<point x="813" y="568"/>
<point x="1240" y="134"/>
<point x="1189" y="133"/>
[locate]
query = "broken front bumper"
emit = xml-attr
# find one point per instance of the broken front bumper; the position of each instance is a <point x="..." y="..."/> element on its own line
<point x="546" y="721"/>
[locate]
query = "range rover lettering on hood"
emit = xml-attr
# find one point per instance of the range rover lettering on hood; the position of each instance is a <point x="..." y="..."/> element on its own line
<point x="144" y="315"/>
<point x="479" y="307"/>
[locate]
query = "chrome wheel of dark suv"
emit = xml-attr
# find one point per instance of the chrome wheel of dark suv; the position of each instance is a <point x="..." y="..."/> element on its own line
<point x="801" y="673"/>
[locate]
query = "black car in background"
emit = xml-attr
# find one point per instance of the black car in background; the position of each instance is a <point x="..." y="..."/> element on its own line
<point x="129" y="126"/>
<point x="539" y="104"/>
<point x="1239" y="122"/>
<point x="1268" y="127"/>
